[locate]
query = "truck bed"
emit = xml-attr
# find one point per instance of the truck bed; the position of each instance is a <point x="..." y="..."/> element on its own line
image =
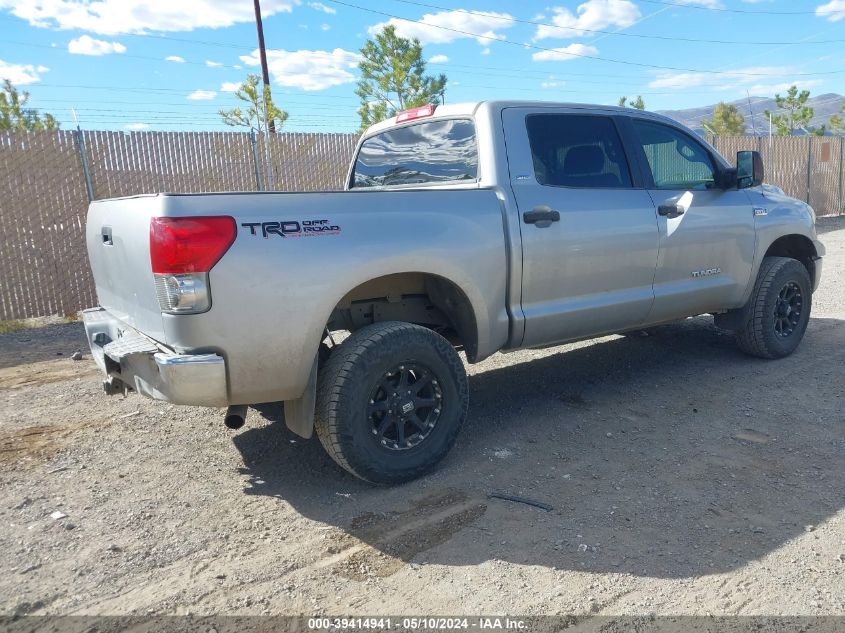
<point x="294" y="258"/>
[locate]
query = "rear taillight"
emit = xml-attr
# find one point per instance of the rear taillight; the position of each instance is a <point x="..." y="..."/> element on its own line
<point x="189" y="245"/>
<point x="182" y="251"/>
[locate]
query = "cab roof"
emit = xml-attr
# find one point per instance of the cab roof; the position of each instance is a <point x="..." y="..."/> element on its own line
<point x="470" y="108"/>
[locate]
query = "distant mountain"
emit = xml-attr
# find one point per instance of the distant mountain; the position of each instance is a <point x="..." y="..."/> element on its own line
<point x="823" y="105"/>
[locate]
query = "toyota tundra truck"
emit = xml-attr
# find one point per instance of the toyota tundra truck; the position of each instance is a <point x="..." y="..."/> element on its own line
<point x="479" y="227"/>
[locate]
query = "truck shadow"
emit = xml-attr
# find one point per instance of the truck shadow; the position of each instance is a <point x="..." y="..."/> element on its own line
<point x="668" y="455"/>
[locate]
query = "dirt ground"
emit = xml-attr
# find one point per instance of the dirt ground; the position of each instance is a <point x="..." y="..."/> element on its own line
<point x="684" y="478"/>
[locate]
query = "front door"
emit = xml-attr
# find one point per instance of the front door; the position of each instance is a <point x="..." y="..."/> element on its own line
<point x="707" y="234"/>
<point x="589" y="229"/>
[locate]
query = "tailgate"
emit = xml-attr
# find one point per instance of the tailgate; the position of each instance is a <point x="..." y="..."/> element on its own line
<point x="118" y="239"/>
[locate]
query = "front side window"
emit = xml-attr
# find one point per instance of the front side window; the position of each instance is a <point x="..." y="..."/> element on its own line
<point x="676" y="160"/>
<point x="571" y="150"/>
<point x="439" y="151"/>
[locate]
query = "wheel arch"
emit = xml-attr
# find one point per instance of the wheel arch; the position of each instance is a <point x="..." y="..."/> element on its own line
<point x="795" y="246"/>
<point x="460" y="303"/>
<point x="423" y="298"/>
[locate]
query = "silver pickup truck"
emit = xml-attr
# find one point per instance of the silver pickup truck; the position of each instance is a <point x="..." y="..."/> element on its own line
<point x="479" y="227"/>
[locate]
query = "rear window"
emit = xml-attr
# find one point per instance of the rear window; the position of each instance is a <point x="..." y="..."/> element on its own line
<point x="439" y="151"/>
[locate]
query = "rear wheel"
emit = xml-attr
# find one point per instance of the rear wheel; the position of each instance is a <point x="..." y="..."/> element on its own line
<point x="390" y="402"/>
<point x="778" y="311"/>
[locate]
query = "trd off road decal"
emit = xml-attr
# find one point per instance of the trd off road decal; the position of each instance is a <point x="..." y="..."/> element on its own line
<point x="292" y="228"/>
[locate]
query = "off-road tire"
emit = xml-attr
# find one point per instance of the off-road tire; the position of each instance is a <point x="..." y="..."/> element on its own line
<point x="347" y="380"/>
<point x="758" y="336"/>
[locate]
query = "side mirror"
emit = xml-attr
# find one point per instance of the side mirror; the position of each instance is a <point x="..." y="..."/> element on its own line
<point x="749" y="169"/>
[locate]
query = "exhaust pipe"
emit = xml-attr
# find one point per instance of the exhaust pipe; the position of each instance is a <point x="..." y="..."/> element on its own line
<point x="235" y="416"/>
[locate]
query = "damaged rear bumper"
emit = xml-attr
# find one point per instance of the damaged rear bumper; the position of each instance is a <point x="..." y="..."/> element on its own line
<point x="130" y="360"/>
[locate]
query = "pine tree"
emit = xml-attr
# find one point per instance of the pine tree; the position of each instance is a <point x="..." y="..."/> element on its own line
<point x="14" y="115"/>
<point x="637" y="104"/>
<point x="393" y="77"/>
<point x="796" y="114"/>
<point x="255" y="98"/>
<point x="727" y="120"/>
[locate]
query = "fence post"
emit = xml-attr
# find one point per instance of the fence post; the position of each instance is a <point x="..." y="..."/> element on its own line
<point x="254" y="144"/>
<point x="83" y="157"/>
<point x="841" y="209"/>
<point x="809" y="164"/>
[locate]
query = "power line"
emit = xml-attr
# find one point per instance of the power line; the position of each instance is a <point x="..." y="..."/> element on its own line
<point x="189" y="107"/>
<point x="11" y="18"/>
<point x="555" y="76"/>
<point x="683" y="5"/>
<point x="219" y="124"/>
<point x="124" y="55"/>
<point x="613" y="33"/>
<point x="578" y="55"/>
<point x="741" y="106"/>
<point x="176" y="90"/>
<point x="169" y="114"/>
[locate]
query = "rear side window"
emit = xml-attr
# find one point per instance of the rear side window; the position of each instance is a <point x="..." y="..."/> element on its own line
<point x="571" y="150"/>
<point x="432" y="152"/>
<point x="676" y="160"/>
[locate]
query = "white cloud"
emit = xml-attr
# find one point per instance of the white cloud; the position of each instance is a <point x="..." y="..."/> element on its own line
<point x="833" y="10"/>
<point x="175" y="58"/>
<point x="573" y="51"/>
<point x="230" y="86"/>
<point x="477" y="23"/>
<point x="438" y="59"/>
<point x="772" y="89"/>
<point x="110" y="17"/>
<point x="325" y="27"/>
<point x="551" y="83"/>
<point x="213" y="64"/>
<point x="21" y="74"/>
<point x="591" y="15"/>
<point x="87" y="45"/>
<point x="485" y="51"/>
<point x="202" y="95"/>
<point x="718" y="81"/>
<point x="708" y="4"/>
<point x="309" y="70"/>
<point x="137" y="126"/>
<point x="319" y="6"/>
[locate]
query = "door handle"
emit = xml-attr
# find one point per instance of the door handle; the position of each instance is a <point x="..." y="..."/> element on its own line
<point x="107" y="236"/>
<point x="670" y="210"/>
<point x="541" y="214"/>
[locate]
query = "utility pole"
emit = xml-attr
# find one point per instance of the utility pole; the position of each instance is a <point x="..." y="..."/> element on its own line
<point x="751" y="111"/>
<point x="263" y="53"/>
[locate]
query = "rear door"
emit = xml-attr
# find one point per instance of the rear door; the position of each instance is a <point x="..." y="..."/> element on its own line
<point x="589" y="231"/>
<point x="706" y="233"/>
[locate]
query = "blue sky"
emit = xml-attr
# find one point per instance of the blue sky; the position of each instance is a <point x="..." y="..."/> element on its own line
<point x="171" y="64"/>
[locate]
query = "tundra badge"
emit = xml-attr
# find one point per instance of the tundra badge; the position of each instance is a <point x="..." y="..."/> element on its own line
<point x="707" y="272"/>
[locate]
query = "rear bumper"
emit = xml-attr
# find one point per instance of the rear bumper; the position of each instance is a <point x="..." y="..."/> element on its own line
<point x="128" y="359"/>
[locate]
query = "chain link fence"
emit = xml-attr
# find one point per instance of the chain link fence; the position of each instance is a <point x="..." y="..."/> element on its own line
<point x="809" y="168"/>
<point x="48" y="178"/>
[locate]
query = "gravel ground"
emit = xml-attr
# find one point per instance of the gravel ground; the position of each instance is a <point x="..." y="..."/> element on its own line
<point x="684" y="478"/>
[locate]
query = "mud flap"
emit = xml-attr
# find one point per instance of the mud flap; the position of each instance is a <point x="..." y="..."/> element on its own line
<point x="299" y="413"/>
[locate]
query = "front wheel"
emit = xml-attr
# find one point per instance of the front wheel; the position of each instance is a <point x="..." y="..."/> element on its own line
<point x="390" y="402"/>
<point x="778" y="312"/>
